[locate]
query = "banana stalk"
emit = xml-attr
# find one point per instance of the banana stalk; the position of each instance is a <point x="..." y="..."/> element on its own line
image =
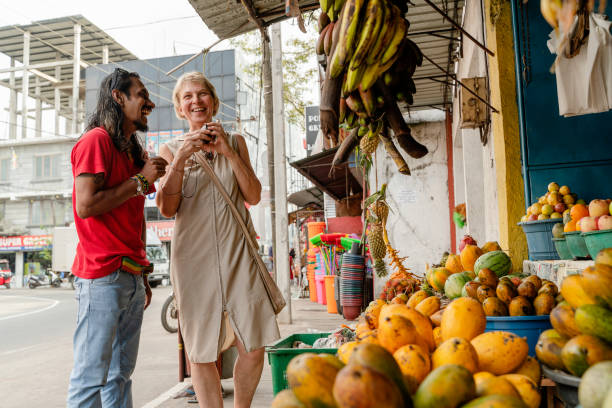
<point x="392" y="151"/>
<point x="345" y="149"/>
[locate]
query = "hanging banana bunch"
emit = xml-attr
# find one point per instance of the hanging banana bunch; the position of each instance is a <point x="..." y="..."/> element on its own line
<point x="370" y="64"/>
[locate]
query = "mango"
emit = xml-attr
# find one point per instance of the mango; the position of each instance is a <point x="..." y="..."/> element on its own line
<point x="447" y="386"/>
<point x="496" y="401"/>
<point x="496" y="385"/>
<point x="345" y="351"/>
<point x="311" y="379"/>
<point x="595" y="383"/>
<point x="597" y="281"/>
<point x="373" y="311"/>
<point x="458" y="351"/>
<point x="436" y="318"/>
<point x="286" y="399"/>
<point x="428" y="306"/>
<point x="562" y="320"/>
<point x="480" y="377"/>
<point x="395" y="331"/>
<point x="494" y="307"/>
<point x="594" y="320"/>
<point x="416" y="298"/>
<point x="530" y="368"/>
<point x="521" y="306"/>
<point x="527" y="389"/>
<point x="543" y="304"/>
<point x="583" y="351"/>
<point x="360" y="386"/>
<point x="413" y="361"/>
<point x="574" y="293"/>
<point x="548" y="349"/>
<point x="463" y="317"/>
<point x="500" y="352"/>
<point x="422" y="323"/>
<point x="506" y="291"/>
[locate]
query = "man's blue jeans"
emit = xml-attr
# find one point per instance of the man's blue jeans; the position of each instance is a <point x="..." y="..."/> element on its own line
<point x="106" y="340"/>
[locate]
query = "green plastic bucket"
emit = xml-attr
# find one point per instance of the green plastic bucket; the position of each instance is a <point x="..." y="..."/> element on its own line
<point x="539" y="239"/>
<point x="597" y="240"/>
<point x="562" y="249"/>
<point x="576" y="244"/>
<point x="281" y="353"/>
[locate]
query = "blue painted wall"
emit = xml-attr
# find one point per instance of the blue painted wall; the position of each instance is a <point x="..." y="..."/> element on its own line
<point x="573" y="151"/>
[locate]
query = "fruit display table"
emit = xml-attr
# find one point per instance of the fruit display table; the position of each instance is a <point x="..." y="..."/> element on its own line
<point x="555" y="270"/>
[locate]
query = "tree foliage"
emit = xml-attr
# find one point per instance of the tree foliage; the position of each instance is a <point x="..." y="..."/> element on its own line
<point x="299" y="73"/>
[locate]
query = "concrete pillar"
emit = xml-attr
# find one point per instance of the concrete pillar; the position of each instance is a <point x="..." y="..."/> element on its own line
<point x="57" y="101"/>
<point x="281" y="253"/>
<point x="12" y="104"/>
<point x="474" y="184"/>
<point x="68" y="122"/>
<point x="76" y="78"/>
<point x="25" y="85"/>
<point x="18" y="282"/>
<point x="105" y="54"/>
<point x="505" y="126"/>
<point x="38" y="109"/>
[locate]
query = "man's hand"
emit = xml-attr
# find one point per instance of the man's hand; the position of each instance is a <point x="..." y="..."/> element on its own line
<point x="154" y="168"/>
<point x="148" y="292"/>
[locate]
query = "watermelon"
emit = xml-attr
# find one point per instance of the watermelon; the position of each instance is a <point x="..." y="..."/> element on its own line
<point x="455" y="283"/>
<point x="497" y="261"/>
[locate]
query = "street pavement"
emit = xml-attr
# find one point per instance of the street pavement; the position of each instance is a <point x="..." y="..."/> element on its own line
<point x="36" y="328"/>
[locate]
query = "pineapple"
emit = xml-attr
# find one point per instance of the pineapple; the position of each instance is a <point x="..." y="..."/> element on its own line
<point x="380" y="209"/>
<point x="378" y="249"/>
<point x="368" y="143"/>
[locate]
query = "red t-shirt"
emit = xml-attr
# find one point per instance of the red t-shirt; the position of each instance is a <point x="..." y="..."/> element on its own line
<point x="105" y="239"/>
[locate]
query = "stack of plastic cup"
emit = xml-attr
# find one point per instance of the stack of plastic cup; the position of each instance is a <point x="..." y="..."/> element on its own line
<point x="311" y="259"/>
<point x="351" y="289"/>
<point x="320" y="280"/>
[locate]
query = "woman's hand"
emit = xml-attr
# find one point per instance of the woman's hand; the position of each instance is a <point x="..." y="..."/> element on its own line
<point x="192" y="142"/>
<point x="218" y="140"/>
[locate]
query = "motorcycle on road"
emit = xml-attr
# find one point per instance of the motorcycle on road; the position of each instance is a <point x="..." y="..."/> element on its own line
<point x="44" y="279"/>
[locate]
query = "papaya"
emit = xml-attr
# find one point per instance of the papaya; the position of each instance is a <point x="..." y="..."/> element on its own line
<point x="428" y="306"/>
<point x="527" y="289"/>
<point x="438" y="277"/>
<point x="520" y="306"/>
<point x="573" y="292"/>
<point x="417" y="297"/>
<point x="549" y="288"/>
<point x="455" y="283"/>
<point x="453" y="263"/>
<point x="543" y="304"/>
<point x="496" y="385"/>
<point x="422" y="323"/>
<point x="500" y="352"/>
<point x="527" y="389"/>
<point x="456" y="351"/>
<point x="311" y="379"/>
<point x="582" y="351"/>
<point x="506" y="291"/>
<point x="436" y="318"/>
<point x="604" y="257"/>
<point x="594" y="320"/>
<point x="496" y="401"/>
<point x="548" y="348"/>
<point x="535" y="280"/>
<point x="395" y="331"/>
<point x="490" y="247"/>
<point x="497" y="261"/>
<point x="345" y="350"/>
<point x="286" y="399"/>
<point x="469" y="256"/>
<point x="480" y="377"/>
<point x="437" y="333"/>
<point x="463" y="317"/>
<point x="494" y="307"/>
<point x="484" y="292"/>
<point x="487" y="277"/>
<point x="413" y="361"/>
<point x="372" y="312"/>
<point x="358" y="385"/>
<point x="530" y="368"/>
<point x="470" y="289"/>
<point x="597" y="281"/>
<point x="447" y="386"/>
<point x="595" y="383"/>
<point x="379" y="359"/>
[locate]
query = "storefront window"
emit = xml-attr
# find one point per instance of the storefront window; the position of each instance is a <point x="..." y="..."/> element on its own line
<point x="46" y="167"/>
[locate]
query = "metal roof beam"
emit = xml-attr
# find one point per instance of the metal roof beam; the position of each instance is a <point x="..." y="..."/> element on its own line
<point x="36" y="66"/>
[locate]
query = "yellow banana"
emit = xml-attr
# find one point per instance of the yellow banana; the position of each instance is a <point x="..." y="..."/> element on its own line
<point x="398" y="36"/>
<point x="348" y="30"/>
<point x="369" y="76"/>
<point x="337" y="5"/>
<point x="373" y="19"/>
<point x="384" y="36"/>
<point x="324" y="6"/>
<point x="353" y="78"/>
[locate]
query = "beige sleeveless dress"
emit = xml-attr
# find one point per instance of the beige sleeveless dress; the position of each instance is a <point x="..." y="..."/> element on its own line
<point x="212" y="272"/>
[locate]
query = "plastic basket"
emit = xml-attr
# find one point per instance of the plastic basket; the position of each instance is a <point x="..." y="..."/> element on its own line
<point x="529" y="327"/>
<point x="562" y="249"/>
<point x="576" y="244"/>
<point x="281" y="353"/>
<point x="539" y="239"/>
<point x="597" y="240"/>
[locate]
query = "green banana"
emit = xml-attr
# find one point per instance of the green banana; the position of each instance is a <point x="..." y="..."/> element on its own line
<point x="373" y="20"/>
<point x="392" y="50"/>
<point x="353" y="78"/>
<point x="384" y="35"/>
<point x="349" y="24"/>
<point x="369" y="102"/>
<point x="338" y="4"/>
<point x="363" y="130"/>
<point x="369" y="76"/>
<point x="351" y="119"/>
<point x="325" y="6"/>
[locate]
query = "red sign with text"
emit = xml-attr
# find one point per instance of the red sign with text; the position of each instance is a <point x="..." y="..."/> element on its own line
<point x="163" y="229"/>
<point x="25" y="242"/>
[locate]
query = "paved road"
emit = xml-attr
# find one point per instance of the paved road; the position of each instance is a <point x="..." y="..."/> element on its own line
<point x="36" y="329"/>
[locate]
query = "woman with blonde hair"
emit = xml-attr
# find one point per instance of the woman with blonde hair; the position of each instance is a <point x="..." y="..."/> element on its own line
<point x="220" y="296"/>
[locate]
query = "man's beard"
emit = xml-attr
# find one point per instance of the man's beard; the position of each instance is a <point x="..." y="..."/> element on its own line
<point x="143" y="127"/>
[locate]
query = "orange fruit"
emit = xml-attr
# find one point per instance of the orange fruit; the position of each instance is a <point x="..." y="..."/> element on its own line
<point x="564" y="190"/>
<point x="568" y="199"/>
<point x="570" y="226"/>
<point x="579" y="211"/>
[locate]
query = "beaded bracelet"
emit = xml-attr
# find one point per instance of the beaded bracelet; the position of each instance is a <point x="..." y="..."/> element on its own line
<point x="144" y="181"/>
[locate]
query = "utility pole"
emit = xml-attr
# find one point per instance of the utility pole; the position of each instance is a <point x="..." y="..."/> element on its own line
<point x="281" y="255"/>
<point x="269" y="112"/>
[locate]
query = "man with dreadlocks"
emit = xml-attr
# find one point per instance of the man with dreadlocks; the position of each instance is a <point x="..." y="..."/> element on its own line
<point x="112" y="174"/>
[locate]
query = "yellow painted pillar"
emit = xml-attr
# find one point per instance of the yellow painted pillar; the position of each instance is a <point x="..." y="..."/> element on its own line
<point x="505" y="126"/>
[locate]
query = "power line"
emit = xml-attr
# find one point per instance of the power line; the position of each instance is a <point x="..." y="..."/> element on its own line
<point x="150" y="23"/>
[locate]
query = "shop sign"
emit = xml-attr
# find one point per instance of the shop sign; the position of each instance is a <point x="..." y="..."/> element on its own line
<point x="25" y="243"/>
<point x="313" y="123"/>
<point x="163" y="229"/>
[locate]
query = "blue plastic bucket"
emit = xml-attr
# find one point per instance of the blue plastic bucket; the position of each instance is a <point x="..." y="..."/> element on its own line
<point x="539" y="239"/>
<point x="529" y="327"/>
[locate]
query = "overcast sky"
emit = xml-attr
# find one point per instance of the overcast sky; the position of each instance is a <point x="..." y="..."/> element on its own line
<point x="149" y="29"/>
